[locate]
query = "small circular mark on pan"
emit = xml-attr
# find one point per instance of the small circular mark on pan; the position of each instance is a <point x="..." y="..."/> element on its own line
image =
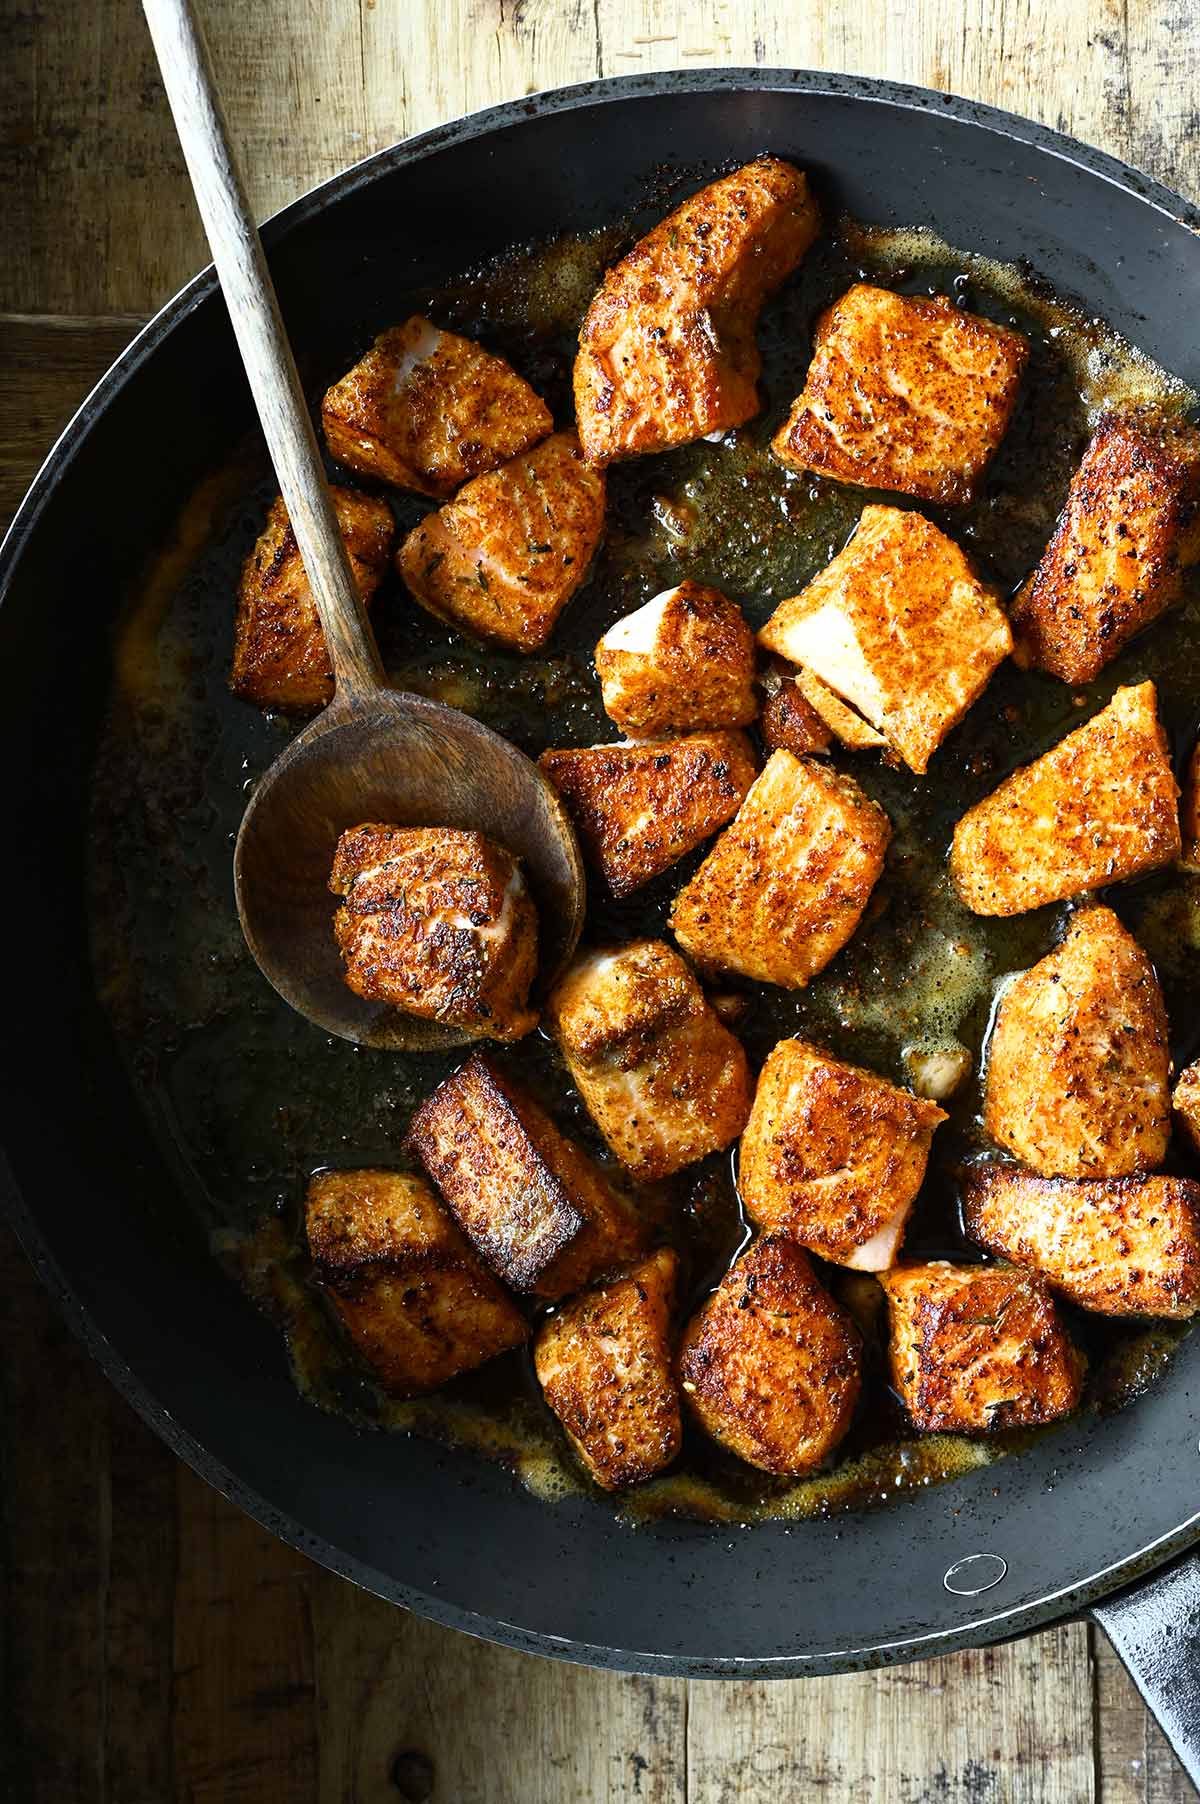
<point x="977" y="1572"/>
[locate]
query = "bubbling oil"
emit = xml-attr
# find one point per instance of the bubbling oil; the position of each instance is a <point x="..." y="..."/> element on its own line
<point x="247" y="1100"/>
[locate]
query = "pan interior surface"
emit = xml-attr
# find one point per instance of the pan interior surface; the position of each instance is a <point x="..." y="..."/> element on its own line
<point x="442" y="1530"/>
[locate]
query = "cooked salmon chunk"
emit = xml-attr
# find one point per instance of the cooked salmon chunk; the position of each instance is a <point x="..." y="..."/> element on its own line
<point x="667" y="350"/>
<point x="1119" y="1246"/>
<point x="604" y="1364"/>
<point x="904" y="392"/>
<point x="1118" y="551"/>
<point x="640" y="807"/>
<point x="900" y="628"/>
<point x="280" y="658"/>
<point x="535" y="1207"/>
<point x="664" y="1080"/>
<point x="771" y="1365"/>
<point x="975" y="1348"/>
<point x="785" y="885"/>
<point x="1186" y="1102"/>
<point x="682" y="662"/>
<point x="1079" y="1058"/>
<point x="439" y="923"/>
<point x="502" y="560"/>
<point x="427" y="410"/>
<point x="413" y="1297"/>
<point x="834" y="1155"/>
<point x="1100" y="806"/>
<point x="789" y="722"/>
<point x="1190" y="851"/>
<point x="842" y="722"/>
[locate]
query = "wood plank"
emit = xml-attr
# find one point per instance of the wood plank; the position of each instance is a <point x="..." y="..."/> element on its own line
<point x="1009" y="1723"/>
<point x="243" y="1684"/>
<point x="1134" y="1763"/>
<point x="412" y="1709"/>
<point x="49" y="366"/>
<point x="324" y="86"/>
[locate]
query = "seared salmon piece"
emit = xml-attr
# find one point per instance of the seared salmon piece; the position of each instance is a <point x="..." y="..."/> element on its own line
<point x="770" y="1365"/>
<point x="427" y="410"/>
<point x="638" y="808"/>
<point x="833" y="1156"/>
<point x="280" y="658"/>
<point x="604" y="1364"/>
<point x="1079" y="1059"/>
<point x="976" y="1348"/>
<point x="904" y="392"/>
<point x="1099" y="806"/>
<point x="535" y="1207"/>
<point x="667" y="350"/>
<point x="1118" y="551"/>
<point x="1186" y="1102"/>
<point x="1119" y="1246"/>
<point x="664" y="1080"/>
<point x="681" y="663"/>
<point x="786" y="884"/>
<point x="439" y="923"/>
<point x="1190" y="850"/>
<point x="411" y="1294"/>
<point x="842" y="723"/>
<point x="789" y="722"/>
<point x="502" y="560"/>
<point x="900" y="628"/>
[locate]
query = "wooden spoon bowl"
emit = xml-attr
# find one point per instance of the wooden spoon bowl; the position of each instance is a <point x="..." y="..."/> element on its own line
<point x="412" y="763"/>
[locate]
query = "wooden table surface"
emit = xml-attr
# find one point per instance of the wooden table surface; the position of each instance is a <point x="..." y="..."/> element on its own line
<point x="155" y="1644"/>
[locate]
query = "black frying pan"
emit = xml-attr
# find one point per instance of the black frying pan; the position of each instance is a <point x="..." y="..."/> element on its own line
<point x="1090" y="1508"/>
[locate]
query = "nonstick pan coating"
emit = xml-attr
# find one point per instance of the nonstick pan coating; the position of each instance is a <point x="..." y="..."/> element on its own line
<point x="444" y="1532"/>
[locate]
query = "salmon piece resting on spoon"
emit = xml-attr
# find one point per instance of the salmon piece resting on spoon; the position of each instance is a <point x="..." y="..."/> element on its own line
<point x="502" y="560"/>
<point x="667" y="351"/>
<point x="427" y="410"/>
<point x="439" y="923"/>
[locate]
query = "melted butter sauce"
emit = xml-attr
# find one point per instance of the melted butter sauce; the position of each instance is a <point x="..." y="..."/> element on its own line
<point x="247" y="1100"/>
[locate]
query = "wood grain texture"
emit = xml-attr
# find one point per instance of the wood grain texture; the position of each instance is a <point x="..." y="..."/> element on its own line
<point x="155" y="1644"/>
<point x="1011" y="1724"/>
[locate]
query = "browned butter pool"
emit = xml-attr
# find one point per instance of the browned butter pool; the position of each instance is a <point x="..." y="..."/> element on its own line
<point x="248" y="1099"/>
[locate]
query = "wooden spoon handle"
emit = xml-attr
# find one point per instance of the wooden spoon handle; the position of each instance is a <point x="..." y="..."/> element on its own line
<point x="254" y="310"/>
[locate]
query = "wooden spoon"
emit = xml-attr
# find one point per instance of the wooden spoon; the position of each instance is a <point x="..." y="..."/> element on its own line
<point x="375" y="753"/>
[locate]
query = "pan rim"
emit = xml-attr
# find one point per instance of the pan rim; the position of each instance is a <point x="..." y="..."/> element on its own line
<point x="999" y="1624"/>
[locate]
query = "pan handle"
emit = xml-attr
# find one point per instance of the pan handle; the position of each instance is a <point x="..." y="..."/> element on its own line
<point x="1155" y="1628"/>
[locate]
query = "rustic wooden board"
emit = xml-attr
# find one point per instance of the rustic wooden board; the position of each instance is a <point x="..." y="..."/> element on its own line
<point x="155" y="1644"/>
